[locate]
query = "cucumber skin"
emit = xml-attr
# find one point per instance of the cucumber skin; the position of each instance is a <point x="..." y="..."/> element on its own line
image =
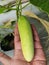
<point x="26" y="37"/>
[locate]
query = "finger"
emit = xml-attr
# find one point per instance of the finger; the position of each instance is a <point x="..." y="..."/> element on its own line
<point x="16" y="37"/>
<point x="19" y="55"/>
<point x="39" y="53"/>
<point x="4" y="59"/>
<point x="16" y="30"/>
<point x="37" y="43"/>
<point x="17" y="44"/>
<point x="36" y="37"/>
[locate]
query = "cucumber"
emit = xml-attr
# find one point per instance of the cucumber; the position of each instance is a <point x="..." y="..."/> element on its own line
<point x="26" y="37"/>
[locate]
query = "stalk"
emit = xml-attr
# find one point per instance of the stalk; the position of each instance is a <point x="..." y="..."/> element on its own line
<point x="18" y="7"/>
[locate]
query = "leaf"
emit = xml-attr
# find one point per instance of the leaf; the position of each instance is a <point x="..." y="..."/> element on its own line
<point x="9" y="24"/>
<point x="43" y="4"/>
<point x="44" y="22"/>
<point x="2" y="9"/>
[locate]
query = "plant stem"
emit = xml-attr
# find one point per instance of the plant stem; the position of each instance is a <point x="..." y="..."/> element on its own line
<point x="20" y="8"/>
<point x="18" y="4"/>
<point x="17" y="8"/>
<point x="25" y="5"/>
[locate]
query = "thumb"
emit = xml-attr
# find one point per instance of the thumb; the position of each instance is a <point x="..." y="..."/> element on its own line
<point x="4" y="59"/>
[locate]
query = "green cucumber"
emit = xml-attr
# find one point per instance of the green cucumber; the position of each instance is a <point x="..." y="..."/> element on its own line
<point x="26" y="37"/>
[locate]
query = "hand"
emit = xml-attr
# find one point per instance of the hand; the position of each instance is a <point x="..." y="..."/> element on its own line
<point x="18" y="59"/>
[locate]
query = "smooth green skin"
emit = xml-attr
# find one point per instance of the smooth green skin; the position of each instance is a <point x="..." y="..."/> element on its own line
<point x="26" y="37"/>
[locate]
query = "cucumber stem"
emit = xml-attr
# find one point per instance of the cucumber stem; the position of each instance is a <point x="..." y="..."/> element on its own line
<point x="18" y="12"/>
<point x="20" y="8"/>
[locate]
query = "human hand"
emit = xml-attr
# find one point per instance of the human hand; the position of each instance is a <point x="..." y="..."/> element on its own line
<point x="18" y="59"/>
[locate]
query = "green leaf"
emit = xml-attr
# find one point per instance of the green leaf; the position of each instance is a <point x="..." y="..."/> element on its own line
<point x="43" y="4"/>
<point x="2" y="9"/>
